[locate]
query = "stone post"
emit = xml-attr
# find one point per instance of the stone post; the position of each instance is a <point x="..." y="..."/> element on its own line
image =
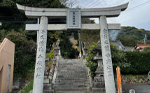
<point x="98" y="85"/>
<point x="40" y="57"/>
<point x="106" y="55"/>
<point x="79" y="45"/>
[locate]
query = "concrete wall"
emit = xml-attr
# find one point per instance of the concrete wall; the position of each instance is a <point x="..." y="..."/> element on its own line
<point x="7" y="49"/>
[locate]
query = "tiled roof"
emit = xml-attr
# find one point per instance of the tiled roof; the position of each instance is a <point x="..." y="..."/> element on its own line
<point x="143" y="45"/>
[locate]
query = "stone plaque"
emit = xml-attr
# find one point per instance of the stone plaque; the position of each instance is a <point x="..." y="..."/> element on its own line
<point x="74" y="18"/>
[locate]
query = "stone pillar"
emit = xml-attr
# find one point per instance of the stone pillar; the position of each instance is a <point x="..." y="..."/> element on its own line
<point x="79" y="45"/>
<point x="85" y="52"/>
<point x="40" y="57"/>
<point x="106" y="55"/>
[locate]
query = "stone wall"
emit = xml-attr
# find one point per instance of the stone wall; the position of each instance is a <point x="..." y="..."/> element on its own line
<point x="133" y="79"/>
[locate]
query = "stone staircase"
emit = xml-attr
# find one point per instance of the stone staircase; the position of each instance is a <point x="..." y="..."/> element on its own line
<point x="47" y="85"/>
<point x="72" y="76"/>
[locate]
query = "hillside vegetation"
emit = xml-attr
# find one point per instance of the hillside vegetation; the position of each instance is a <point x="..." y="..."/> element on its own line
<point x="130" y="36"/>
<point x="13" y="27"/>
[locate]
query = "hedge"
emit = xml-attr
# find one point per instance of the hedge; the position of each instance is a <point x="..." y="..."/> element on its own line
<point x="140" y="63"/>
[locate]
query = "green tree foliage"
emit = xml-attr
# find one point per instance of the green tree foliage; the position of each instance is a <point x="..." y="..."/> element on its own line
<point x="140" y="63"/>
<point x="128" y="41"/>
<point x="91" y="63"/>
<point x="67" y="50"/>
<point x="24" y="53"/>
<point x="13" y="28"/>
<point x="89" y="37"/>
<point x="130" y="36"/>
<point x="118" y="58"/>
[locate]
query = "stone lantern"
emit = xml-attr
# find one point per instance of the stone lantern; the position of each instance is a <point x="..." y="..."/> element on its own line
<point x="98" y="85"/>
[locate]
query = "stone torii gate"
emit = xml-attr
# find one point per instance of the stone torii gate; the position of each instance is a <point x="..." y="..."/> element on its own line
<point x="73" y="17"/>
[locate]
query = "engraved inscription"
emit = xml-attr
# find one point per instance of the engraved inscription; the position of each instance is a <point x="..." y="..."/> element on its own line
<point x="39" y="63"/>
<point x="40" y="56"/>
<point x="109" y="67"/>
<point x="105" y="36"/>
<point x="74" y="23"/>
<point x="106" y="41"/>
<point x="42" y="36"/>
<point x="38" y="75"/>
<point x="41" y="43"/>
<point x="39" y="69"/>
<point x="42" y="31"/>
<point x="108" y="61"/>
<point x="107" y="55"/>
<point x="107" y="48"/>
<point x="105" y="31"/>
<point x="41" y="49"/>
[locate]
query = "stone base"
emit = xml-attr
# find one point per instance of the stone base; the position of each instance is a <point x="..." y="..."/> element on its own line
<point x="98" y="90"/>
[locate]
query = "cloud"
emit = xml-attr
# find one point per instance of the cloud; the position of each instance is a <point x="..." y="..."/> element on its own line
<point x="137" y="14"/>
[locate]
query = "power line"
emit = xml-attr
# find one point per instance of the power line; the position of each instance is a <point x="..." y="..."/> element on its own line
<point x="88" y="3"/>
<point x="92" y="3"/>
<point x="138" y="5"/>
<point x="98" y="3"/>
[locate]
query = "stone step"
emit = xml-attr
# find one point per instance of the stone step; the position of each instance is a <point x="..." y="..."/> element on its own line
<point x="46" y="81"/>
<point x="71" y="78"/>
<point x="68" y="87"/>
<point x="71" y="75"/>
<point x="72" y="82"/>
<point x="47" y="86"/>
<point x="98" y="90"/>
<point x="77" y="61"/>
<point x="48" y="91"/>
<point x="76" y="75"/>
<point x="86" y="91"/>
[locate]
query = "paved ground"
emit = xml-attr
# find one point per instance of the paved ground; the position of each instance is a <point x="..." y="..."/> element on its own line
<point x="143" y="88"/>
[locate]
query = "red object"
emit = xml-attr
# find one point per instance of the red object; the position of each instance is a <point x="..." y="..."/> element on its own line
<point x="143" y="45"/>
<point x="119" y="80"/>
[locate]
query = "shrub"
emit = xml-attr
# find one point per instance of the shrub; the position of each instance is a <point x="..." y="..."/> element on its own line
<point x="24" y="60"/>
<point x="118" y="58"/>
<point x="146" y="49"/>
<point x="140" y="63"/>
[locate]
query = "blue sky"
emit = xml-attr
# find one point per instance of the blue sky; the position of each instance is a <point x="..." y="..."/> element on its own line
<point x="137" y="14"/>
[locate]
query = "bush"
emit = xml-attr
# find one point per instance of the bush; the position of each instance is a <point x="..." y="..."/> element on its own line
<point x="140" y="63"/>
<point x="146" y="49"/>
<point x="24" y="60"/>
<point x="118" y="58"/>
<point x="91" y="63"/>
<point x="28" y="88"/>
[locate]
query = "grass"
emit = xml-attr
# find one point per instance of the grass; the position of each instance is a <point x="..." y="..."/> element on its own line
<point x="28" y="88"/>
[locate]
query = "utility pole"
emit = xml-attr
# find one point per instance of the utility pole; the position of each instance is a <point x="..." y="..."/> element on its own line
<point x="145" y="38"/>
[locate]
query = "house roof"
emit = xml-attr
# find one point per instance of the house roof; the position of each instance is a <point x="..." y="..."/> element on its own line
<point x="143" y="45"/>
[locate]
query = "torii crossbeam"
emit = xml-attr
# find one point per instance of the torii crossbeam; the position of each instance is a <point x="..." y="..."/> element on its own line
<point x="73" y="17"/>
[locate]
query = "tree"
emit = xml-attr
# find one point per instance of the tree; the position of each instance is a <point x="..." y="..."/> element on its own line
<point x="24" y="53"/>
<point x="118" y="58"/>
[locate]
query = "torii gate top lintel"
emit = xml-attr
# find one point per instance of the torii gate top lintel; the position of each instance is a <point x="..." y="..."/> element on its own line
<point x="62" y="12"/>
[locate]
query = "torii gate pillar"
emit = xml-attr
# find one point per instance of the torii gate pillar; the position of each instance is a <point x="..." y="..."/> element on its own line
<point x="40" y="57"/>
<point x="106" y="55"/>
